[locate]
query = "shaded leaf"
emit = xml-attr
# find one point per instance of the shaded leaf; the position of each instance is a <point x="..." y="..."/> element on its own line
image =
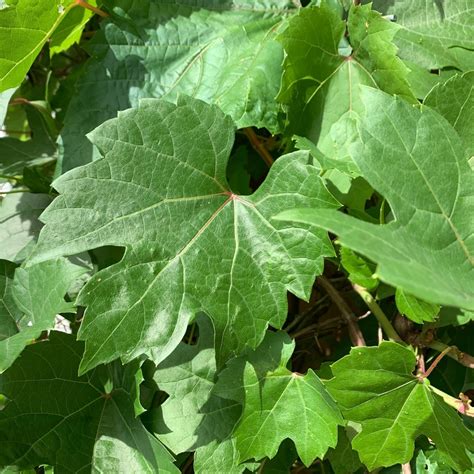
<point x="19" y="224"/>
<point x="38" y="295"/>
<point x="223" y="53"/>
<point x="415" y="309"/>
<point x="92" y="417"/>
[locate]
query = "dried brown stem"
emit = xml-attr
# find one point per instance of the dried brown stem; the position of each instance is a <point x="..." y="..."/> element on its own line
<point x="357" y="338"/>
<point x="258" y="146"/>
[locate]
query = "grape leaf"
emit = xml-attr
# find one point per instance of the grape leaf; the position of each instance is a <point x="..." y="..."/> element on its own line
<point x="27" y="24"/>
<point x="427" y="251"/>
<point x="160" y="191"/>
<point x="9" y="312"/>
<point x="74" y="423"/>
<point x="39" y="295"/>
<point x="192" y="416"/>
<point x="19" y="224"/>
<point x="374" y="386"/>
<point x="343" y="459"/>
<point x="220" y="53"/>
<point x="319" y="86"/>
<point x="454" y="100"/>
<point x="15" y="154"/>
<point x="431" y="29"/>
<point x="289" y="405"/>
<point x="415" y="309"/>
<point x="5" y="97"/>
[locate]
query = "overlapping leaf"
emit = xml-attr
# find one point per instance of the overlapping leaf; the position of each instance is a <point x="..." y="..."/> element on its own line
<point x="417" y="162"/>
<point x="191" y="244"/>
<point x="431" y="29"/>
<point x="374" y="386"/>
<point x="454" y="100"/>
<point x="25" y="26"/>
<point x="31" y="301"/>
<point x="19" y="224"/>
<point x="74" y="423"/>
<point x="320" y="86"/>
<point x="223" y="53"/>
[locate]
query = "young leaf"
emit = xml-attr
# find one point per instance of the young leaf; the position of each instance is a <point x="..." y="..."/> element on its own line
<point x="38" y="292"/>
<point x="49" y="402"/>
<point x="27" y="24"/>
<point x="223" y="54"/>
<point x="19" y="224"/>
<point x="454" y="100"/>
<point x="289" y="405"/>
<point x="320" y="86"/>
<point x="428" y="250"/>
<point x="161" y="192"/>
<point x="375" y="387"/>
<point x="415" y="309"/>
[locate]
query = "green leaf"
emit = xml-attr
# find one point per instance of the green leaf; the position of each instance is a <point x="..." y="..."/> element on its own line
<point x="15" y="154"/>
<point x="431" y="29"/>
<point x="49" y="402"/>
<point x="375" y="387"/>
<point x="5" y="97"/>
<point x="427" y="251"/>
<point x="39" y="295"/>
<point x="192" y="416"/>
<point x="320" y="87"/>
<point x="454" y="100"/>
<point x="69" y="31"/>
<point x="343" y="459"/>
<point x="9" y="311"/>
<point x="282" y="405"/>
<point x="415" y="309"/>
<point x="431" y="463"/>
<point x="360" y="270"/>
<point x="19" y="224"/>
<point x="27" y="24"/>
<point x="163" y="195"/>
<point x="223" y="54"/>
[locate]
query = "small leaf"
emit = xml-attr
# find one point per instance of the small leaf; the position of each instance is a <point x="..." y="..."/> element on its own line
<point x="38" y="292"/>
<point x="286" y="405"/>
<point x="48" y="402"/>
<point x="375" y="387"/>
<point x="360" y="270"/>
<point x="415" y="309"/>
<point x="19" y="223"/>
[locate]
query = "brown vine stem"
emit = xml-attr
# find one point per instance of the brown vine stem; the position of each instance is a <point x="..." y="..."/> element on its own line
<point x="357" y="338"/>
<point x="378" y="313"/>
<point x="435" y="363"/>
<point x="453" y="352"/>
<point x="258" y="146"/>
<point x="406" y="468"/>
<point x="88" y="6"/>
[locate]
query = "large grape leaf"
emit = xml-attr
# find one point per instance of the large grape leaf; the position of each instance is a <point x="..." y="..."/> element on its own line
<point x="191" y="244"/>
<point x="417" y="162"/>
<point x="431" y="29"/>
<point x="19" y="224"/>
<point x="74" y="423"/>
<point x="454" y="100"/>
<point x="375" y="386"/>
<point x="319" y="85"/>
<point x="32" y="301"/>
<point x="25" y="26"/>
<point x="223" y="53"/>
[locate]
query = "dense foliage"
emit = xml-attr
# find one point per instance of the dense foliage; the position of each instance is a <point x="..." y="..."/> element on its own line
<point x="236" y="236"/>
